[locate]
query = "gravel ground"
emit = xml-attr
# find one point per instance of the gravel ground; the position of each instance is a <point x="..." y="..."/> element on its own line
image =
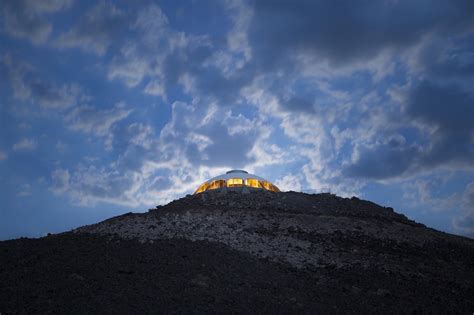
<point x="257" y="252"/>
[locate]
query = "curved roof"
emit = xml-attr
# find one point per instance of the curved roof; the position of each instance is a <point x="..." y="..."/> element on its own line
<point x="231" y="179"/>
<point x="235" y="174"/>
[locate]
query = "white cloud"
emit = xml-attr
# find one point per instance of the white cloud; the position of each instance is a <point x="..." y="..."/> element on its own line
<point x="90" y="120"/>
<point x="60" y="178"/>
<point x="419" y="193"/>
<point x="155" y="88"/>
<point x="29" y="85"/>
<point x="3" y="156"/>
<point x="96" y="31"/>
<point x="153" y="169"/>
<point x="289" y="182"/>
<point x="307" y="114"/>
<point x="141" y="135"/>
<point x="237" y="39"/>
<point x="144" y="55"/>
<point x="25" y="144"/>
<point x="29" y="19"/>
<point x="129" y="67"/>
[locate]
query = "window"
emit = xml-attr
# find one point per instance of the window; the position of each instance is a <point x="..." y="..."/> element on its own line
<point x="202" y="188"/>
<point x="266" y="185"/>
<point x="274" y="188"/>
<point x="217" y="184"/>
<point x="252" y="182"/>
<point x="270" y="186"/>
<point x="235" y="182"/>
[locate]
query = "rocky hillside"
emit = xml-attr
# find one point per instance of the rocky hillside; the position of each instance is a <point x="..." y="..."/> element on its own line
<point x="254" y="252"/>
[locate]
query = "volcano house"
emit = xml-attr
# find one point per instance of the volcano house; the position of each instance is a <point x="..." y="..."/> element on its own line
<point x="236" y="180"/>
<point x="240" y="245"/>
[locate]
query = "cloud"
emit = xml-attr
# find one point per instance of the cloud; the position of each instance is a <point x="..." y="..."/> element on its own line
<point x="140" y="176"/>
<point x="3" y="156"/>
<point x="90" y="120"/>
<point x="327" y="95"/>
<point x="441" y="111"/>
<point x="447" y="109"/>
<point x="464" y="223"/>
<point x="289" y="182"/>
<point x="211" y="136"/>
<point x="152" y="168"/>
<point x="383" y="161"/>
<point x="155" y="88"/>
<point x="144" y="55"/>
<point x="91" y="185"/>
<point x="60" y="180"/>
<point x="435" y="106"/>
<point x="25" y="144"/>
<point x="29" y="85"/>
<point x="157" y="53"/>
<point x="468" y="197"/>
<point x="97" y="30"/>
<point x="345" y="32"/>
<point x="424" y="193"/>
<point x="29" y="19"/>
<point x="61" y="147"/>
<point x="165" y="58"/>
<point x="25" y="191"/>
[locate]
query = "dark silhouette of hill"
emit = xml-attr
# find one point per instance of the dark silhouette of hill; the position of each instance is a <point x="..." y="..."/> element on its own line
<point x="255" y="252"/>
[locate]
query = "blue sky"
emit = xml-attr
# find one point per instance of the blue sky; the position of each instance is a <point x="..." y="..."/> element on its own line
<point x="108" y="107"/>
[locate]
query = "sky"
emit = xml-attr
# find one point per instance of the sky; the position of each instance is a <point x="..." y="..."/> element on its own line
<point x="108" y="107"/>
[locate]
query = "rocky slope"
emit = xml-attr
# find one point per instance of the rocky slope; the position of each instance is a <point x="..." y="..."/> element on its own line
<point x="255" y="252"/>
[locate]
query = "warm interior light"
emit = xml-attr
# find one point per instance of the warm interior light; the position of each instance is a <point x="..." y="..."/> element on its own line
<point x="270" y="186"/>
<point x="232" y="182"/>
<point x="238" y="181"/>
<point x="252" y="182"/>
<point x="202" y="188"/>
<point x="217" y="184"/>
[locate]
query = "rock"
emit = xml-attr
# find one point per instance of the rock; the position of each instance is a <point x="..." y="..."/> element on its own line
<point x="247" y="252"/>
<point x="382" y="292"/>
<point x="355" y="290"/>
<point x="200" y="281"/>
<point x="75" y="276"/>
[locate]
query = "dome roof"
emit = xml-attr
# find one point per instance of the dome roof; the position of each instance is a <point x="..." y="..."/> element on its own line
<point x="236" y="179"/>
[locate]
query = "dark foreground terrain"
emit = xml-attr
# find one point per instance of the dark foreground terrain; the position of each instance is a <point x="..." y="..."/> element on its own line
<point x="257" y="252"/>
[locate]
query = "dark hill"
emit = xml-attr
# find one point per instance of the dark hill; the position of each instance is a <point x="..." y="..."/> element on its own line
<point x="257" y="252"/>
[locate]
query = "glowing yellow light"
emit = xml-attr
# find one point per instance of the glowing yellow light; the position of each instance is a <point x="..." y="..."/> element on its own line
<point x="217" y="184"/>
<point x="252" y="182"/>
<point x="270" y="186"/>
<point x="233" y="182"/>
<point x="236" y="182"/>
<point x="202" y="188"/>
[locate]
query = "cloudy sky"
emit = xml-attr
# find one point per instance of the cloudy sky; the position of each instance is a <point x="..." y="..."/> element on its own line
<point x="108" y="107"/>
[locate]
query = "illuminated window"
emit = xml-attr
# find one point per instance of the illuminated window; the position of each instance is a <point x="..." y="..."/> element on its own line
<point x="274" y="188"/>
<point x="239" y="179"/>
<point x="217" y="184"/>
<point x="235" y="182"/>
<point x="252" y="182"/>
<point x="269" y="186"/>
<point x="202" y="188"/>
<point x="266" y="185"/>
